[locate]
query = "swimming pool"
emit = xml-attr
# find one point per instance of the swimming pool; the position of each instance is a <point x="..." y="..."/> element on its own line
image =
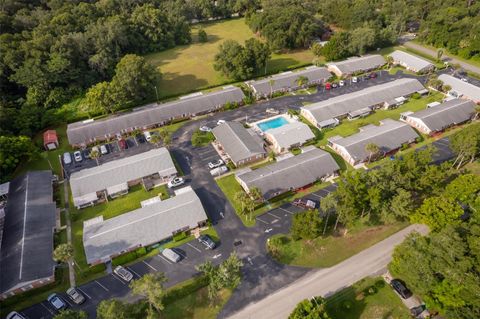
<point x="273" y="123"/>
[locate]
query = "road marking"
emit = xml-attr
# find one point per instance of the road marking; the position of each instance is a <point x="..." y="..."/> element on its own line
<point x="66" y="300"/>
<point x="273" y="215"/>
<point x="24" y="227"/>
<point x="194" y="247"/>
<point x="216" y="256"/>
<point x="164" y="259"/>
<point x="134" y="272"/>
<point x="102" y="286"/>
<point x="287" y="211"/>
<point x="183" y="255"/>
<point x="316" y="195"/>
<point x="262" y="221"/>
<point x="274" y="221"/>
<point x="48" y="309"/>
<point x="119" y="279"/>
<point x="149" y="265"/>
<point x="83" y="292"/>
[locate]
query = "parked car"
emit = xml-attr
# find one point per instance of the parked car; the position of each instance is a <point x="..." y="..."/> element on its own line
<point x="328" y="86"/>
<point x="401" y="288"/>
<point x="103" y="149"/>
<point x="122" y="144"/>
<point x="304" y="203"/>
<point x="334" y="85"/>
<point x="123" y="273"/>
<point x="373" y="75"/>
<point x="177" y="181"/>
<point x="271" y="110"/>
<point x="15" y="315"/>
<point x="77" y="156"/>
<point x="354" y="79"/>
<point x="75" y="295"/>
<point x="219" y="171"/>
<point x="171" y="255"/>
<point x="341" y="83"/>
<point x="148" y="136"/>
<point x="464" y="79"/>
<point x="416" y="311"/>
<point x="221" y="122"/>
<point x="207" y="241"/>
<point x="67" y="158"/>
<point x="140" y="138"/>
<point x="215" y="164"/>
<point x="205" y="128"/>
<point x="86" y="153"/>
<point x="57" y="302"/>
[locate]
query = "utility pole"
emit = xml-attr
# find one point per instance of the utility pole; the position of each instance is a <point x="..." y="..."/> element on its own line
<point x="156" y="93"/>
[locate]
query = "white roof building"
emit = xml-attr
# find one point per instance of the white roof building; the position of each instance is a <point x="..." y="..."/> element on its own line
<point x="290" y="135"/>
<point x="463" y="89"/>
<point x="411" y="62"/>
<point x="356" y="65"/>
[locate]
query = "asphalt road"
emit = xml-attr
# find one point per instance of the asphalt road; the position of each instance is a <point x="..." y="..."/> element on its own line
<point x="327" y="281"/>
<point x="262" y="275"/>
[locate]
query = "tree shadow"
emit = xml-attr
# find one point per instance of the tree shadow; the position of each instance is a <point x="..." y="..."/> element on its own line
<point x="173" y="83"/>
<point x="346" y="303"/>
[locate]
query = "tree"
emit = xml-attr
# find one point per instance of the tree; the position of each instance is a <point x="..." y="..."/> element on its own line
<point x="301" y="81"/>
<point x="214" y="281"/>
<point x="315" y="308"/>
<point x="372" y="149"/>
<point x="111" y="309"/>
<point x="155" y="139"/>
<point x="438" y="212"/>
<point x="361" y="40"/>
<point x="13" y="151"/>
<point x="71" y="314"/>
<point x="100" y="99"/>
<point x="316" y="49"/>
<point x="389" y="60"/>
<point x="337" y="48"/>
<point x="95" y="154"/>
<point x="150" y="286"/>
<point x="242" y="198"/>
<point x="202" y="35"/>
<point x="271" y="82"/>
<point x="439" y="55"/>
<point x="63" y="253"/>
<point x="229" y="271"/>
<point x="466" y="144"/>
<point x="306" y="225"/>
<point x="328" y="205"/>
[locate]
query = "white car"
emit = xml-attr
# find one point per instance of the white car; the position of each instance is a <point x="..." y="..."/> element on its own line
<point x="67" y="158"/>
<point x="219" y="171"/>
<point x="341" y="83"/>
<point x="215" y="164"/>
<point x="171" y="255"/>
<point x="148" y="136"/>
<point x="221" y="122"/>
<point x="464" y="79"/>
<point x="205" y="129"/>
<point x="271" y="110"/>
<point x="103" y="150"/>
<point x="123" y="273"/>
<point x="177" y="181"/>
<point x="77" y="156"/>
<point x="14" y="315"/>
<point x="354" y="79"/>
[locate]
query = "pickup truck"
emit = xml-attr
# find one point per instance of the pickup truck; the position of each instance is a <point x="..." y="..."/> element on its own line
<point x="304" y="203"/>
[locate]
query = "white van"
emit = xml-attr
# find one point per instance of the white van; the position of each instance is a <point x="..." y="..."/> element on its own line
<point x="219" y="170"/>
<point x="148" y="136"/>
<point x="171" y="255"/>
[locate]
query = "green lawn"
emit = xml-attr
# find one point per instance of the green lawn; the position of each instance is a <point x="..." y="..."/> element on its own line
<point x="330" y="250"/>
<point x="347" y="127"/>
<point x="200" y="138"/>
<point x="370" y="298"/>
<point x="473" y="167"/>
<point x="189" y="68"/>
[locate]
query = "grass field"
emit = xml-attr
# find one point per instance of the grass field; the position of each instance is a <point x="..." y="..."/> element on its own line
<point x="188" y="68"/>
<point x="361" y="301"/>
<point x="330" y="250"/>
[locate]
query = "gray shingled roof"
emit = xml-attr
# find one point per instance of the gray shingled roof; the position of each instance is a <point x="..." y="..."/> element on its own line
<point x="390" y="135"/>
<point x="91" y="180"/>
<point x="446" y="114"/>
<point x="288" y="80"/>
<point x="142" y="227"/>
<point x="469" y="90"/>
<point x="291" y="134"/>
<point x="343" y="104"/>
<point x="410" y="60"/>
<point x="294" y="172"/>
<point x="358" y="64"/>
<point x="238" y="142"/>
<point x="27" y="245"/>
<point x="152" y="114"/>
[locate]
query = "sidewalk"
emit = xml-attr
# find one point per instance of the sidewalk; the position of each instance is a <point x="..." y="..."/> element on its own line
<point x="71" y="270"/>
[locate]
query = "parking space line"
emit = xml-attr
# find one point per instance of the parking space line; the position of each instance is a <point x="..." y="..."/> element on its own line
<point x="262" y="221"/>
<point x="148" y="265"/>
<point x="286" y="211"/>
<point x="118" y="279"/>
<point x="48" y="309"/>
<point x="130" y="268"/>
<point x="164" y="259"/>
<point x="83" y="292"/>
<point x="183" y="255"/>
<point x="273" y="215"/>
<point x="106" y="289"/>
<point x="194" y="247"/>
<point x="316" y="195"/>
<point x="66" y="300"/>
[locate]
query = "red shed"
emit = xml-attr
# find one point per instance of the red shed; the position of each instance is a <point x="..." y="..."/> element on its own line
<point x="50" y="140"/>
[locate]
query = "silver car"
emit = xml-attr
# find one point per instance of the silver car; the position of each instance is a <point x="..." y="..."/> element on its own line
<point x="75" y="295"/>
<point x="171" y="255"/>
<point x="67" y="158"/>
<point x="123" y="273"/>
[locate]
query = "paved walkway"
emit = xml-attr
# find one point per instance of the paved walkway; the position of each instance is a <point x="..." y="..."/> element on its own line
<point x="327" y="281"/>
<point x="71" y="270"/>
<point x="433" y="54"/>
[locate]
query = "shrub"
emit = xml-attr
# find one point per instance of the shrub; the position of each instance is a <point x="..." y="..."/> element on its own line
<point x="202" y="35"/>
<point x="347" y="304"/>
<point x="180" y="236"/>
<point x="416" y="96"/>
<point x="380" y="284"/>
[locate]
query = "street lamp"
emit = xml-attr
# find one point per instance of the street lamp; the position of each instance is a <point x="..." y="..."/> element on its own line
<point x="156" y="93"/>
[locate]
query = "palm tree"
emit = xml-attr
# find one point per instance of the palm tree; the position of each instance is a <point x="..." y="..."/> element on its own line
<point x="301" y="81"/>
<point x="271" y="82"/>
<point x="389" y="60"/>
<point x="95" y="154"/>
<point x="439" y="55"/>
<point x="63" y="253"/>
<point x="446" y="88"/>
<point x="372" y="149"/>
<point x="155" y="139"/>
<point x="241" y="197"/>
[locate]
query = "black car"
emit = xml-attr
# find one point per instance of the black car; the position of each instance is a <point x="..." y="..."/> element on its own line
<point x="401" y="288"/>
<point x="207" y="241"/>
<point x="416" y="311"/>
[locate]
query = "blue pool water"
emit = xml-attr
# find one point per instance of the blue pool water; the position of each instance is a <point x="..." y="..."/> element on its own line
<point x="276" y="122"/>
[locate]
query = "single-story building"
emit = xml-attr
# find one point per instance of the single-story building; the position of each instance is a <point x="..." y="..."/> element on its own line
<point x="288" y="81"/>
<point x="438" y="118"/>
<point x="359" y="103"/>
<point x="291" y="173"/>
<point x="389" y="136"/>
<point x="243" y="146"/>
<point x="411" y="62"/>
<point x="30" y="218"/>
<point x="106" y="239"/>
<point x="356" y="65"/>
<point x="151" y="115"/>
<point x="290" y="135"/>
<point x="114" y="178"/>
<point x="460" y="88"/>
<point x="50" y="140"/>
